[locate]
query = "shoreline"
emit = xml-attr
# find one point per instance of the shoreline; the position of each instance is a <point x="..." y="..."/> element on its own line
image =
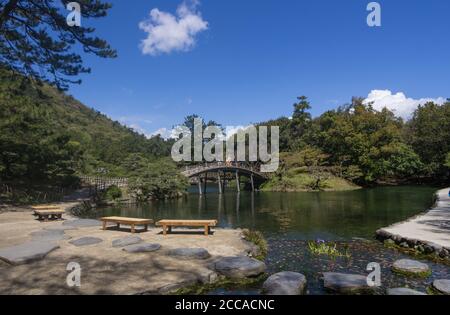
<point x="424" y="233"/>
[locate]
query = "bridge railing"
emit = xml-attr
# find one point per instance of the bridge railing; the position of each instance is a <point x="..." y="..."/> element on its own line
<point x="191" y="169"/>
<point x="102" y="183"/>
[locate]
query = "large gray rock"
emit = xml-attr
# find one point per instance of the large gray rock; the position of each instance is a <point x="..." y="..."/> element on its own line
<point x="410" y="267"/>
<point x="346" y="283"/>
<point x="49" y="235"/>
<point x="239" y="267"/>
<point x="189" y="253"/>
<point x="126" y="241"/>
<point x="142" y="248"/>
<point x="27" y="252"/>
<point x="285" y="283"/>
<point x="404" y="291"/>
<point x="86" y="241"/>
<point x="442" y="286"/>
<point x="82" y="223"/>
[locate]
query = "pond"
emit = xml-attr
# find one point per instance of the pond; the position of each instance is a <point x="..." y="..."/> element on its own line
<point x="290" y="220"/>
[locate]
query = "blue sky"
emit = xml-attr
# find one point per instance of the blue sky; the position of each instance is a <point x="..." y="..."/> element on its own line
<point x="248" y="60"/>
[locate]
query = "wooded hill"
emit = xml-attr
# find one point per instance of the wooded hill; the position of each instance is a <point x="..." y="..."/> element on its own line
<point x="48" y="136"/>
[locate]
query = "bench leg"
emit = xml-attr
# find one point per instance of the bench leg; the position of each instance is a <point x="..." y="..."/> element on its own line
<point x="132" y="229"/>
<point x="164" y="230"/>
<point x="146" y="228"/>
<point x="104" y="225"/>
<point x="118" y="226"/>
<point x="206" y="230"/>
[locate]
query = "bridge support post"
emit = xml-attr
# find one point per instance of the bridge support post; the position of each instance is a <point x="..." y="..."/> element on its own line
<point x="219" y="181"/>
<point x="206" y="180"/>
<point x="252" y="182"/>
<point x="238" y="182"/>
<point x="200" y="191"/>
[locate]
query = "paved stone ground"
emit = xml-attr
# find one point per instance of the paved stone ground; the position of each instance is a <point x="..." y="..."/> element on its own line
<point x="109" y="270"/>
<point x="432" y="227"/>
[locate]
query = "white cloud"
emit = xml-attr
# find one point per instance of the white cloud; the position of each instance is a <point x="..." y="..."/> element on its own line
<point x="167" y="32"/>
<point x="398" y="103"/>
<point x="164" y="133"/>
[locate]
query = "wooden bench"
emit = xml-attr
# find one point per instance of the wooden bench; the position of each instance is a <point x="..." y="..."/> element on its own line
<point x="133" y="222"/>
<point x="45" y="215"/>
<point x="168" y="224"/>
<point x="46" y="208"/>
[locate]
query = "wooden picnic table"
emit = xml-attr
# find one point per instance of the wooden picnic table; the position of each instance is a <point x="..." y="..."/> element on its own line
<point x="168" y="224"/>
<point x="133" y="222"/>
<point x="45" y="215"/>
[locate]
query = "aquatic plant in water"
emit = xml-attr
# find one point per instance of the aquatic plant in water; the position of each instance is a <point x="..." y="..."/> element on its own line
<point x="320" y="247"/>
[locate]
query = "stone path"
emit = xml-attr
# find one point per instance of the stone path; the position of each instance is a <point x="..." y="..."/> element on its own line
<point x="142" y="248"/>
<point x="430" y="231"/>
<point x="410" y="267"/>
<point x="239" y="267"/>
<point x="404" y="291"/>
<point x="86" y="241"/>
<point x="126" y="241"/>
<point x="285" y="283"/>
<point x="346" y="283"/>
<point x="189" y="253"/>
<point x="27" y="252"/>
<point x="442" y="286"/>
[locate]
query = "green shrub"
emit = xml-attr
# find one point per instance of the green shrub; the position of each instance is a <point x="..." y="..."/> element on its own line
<point x="113" y="193"/>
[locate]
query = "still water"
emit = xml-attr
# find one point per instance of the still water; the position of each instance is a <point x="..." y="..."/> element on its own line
<point x="289" y="220"/>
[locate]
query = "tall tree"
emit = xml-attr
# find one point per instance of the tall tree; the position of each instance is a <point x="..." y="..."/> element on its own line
<point x="36" y="40"/>
<point x="301" y="122"/>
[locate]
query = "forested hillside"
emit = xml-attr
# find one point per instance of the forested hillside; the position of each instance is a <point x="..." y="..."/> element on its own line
<point x="362" y="145"/>
<point x="47" y="135"/>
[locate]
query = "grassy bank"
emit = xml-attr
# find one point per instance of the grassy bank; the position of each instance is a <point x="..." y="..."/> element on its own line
<point x="296" y="180"/>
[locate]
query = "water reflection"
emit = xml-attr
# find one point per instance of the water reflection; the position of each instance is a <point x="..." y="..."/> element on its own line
<point x="303" y="216"/>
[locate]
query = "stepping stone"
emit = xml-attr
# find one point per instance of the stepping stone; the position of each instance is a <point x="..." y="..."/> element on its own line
<point x="442" y="286"/>
<point x="49" y="235"/>
<point x="85" y="241"/>
<point x="60" y="228"/>
<point x="27" y="252"/>
<point x="190" y="253"/>
<point x="82" y="223"/>
<point x="410" y="267"/>
<point x="285" y="283"/>
<point x="404" y="291"/>
<point x="126" y="241"/>
<point x="239" y="267"/>
<point x="142" y="248"/>
<point x="346" y="283"/>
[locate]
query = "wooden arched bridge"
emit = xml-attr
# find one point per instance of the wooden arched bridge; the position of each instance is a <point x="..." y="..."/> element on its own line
<point x="223" y="172"/>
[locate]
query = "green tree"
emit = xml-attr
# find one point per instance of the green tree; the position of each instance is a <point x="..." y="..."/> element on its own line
<point x="428" y="132"/>
<point x="158" y="180"/>
<point x="36" y="40"/>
